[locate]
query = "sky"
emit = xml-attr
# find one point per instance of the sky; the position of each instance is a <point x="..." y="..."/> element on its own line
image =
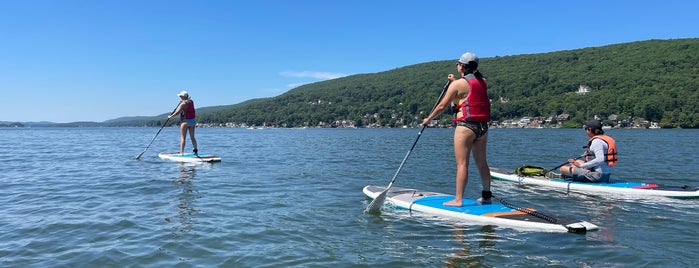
<point x="95" y="60"/>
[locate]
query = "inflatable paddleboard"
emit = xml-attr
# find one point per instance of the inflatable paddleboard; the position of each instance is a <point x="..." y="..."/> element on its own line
<point x="190" y="157"/>
<point x="473" y="213"/>
<point x="628" y="188"/>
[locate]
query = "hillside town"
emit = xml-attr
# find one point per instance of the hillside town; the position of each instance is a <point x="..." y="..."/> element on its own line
<point x="556" y="122"/>
<point x="524" y="122"/>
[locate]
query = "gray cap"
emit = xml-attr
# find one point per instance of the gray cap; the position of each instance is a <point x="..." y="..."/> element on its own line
<point x="594" y="124"/>
<point x="468" y="57"/>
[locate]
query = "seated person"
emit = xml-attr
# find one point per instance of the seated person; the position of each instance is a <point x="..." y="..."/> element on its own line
<point x="600" y="157"/>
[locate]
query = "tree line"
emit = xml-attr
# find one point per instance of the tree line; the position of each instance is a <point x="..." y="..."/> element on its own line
<point x="655" y="80"/>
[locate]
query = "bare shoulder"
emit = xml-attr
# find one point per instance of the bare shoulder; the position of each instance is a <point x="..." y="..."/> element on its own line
<point x="457" y="83"/>
<point x="460" y="85"/>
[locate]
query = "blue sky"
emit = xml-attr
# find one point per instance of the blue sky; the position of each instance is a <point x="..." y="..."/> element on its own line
<point x="66" y="61"/>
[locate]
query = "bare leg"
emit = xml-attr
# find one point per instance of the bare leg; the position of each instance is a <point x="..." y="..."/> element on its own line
<point x="194" y="140"/>
<point x="183" y="136"/>
<point x="463" y="140"/>
<point x="479" y="156"/>
<point x="567" y="170"/>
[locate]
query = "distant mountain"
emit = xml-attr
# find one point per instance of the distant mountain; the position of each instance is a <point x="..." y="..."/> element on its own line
<point x="656" y="80"/>
<point x="158" y="120"/>
<point x="11" y="124"/>
<point x="130" y="119"/>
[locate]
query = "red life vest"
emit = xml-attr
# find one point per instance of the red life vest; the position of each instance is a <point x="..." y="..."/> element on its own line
<point x="476" y="106"/>
<point x="611" y="155"/>
<point x="188" y="111"/>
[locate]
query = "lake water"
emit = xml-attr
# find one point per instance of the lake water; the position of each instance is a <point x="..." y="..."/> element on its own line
<point x="292" y="198"/>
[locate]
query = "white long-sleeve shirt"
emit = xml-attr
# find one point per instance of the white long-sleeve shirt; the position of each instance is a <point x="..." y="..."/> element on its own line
<point x="597" y="162"/>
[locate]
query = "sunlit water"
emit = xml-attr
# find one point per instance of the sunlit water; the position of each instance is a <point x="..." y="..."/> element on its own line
<point x="292" y="197"/>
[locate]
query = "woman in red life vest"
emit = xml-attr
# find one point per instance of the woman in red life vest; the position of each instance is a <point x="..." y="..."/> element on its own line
<point x="187" y="120"/>
<point x="600" y="157"/>
<point x="472" y="115"/>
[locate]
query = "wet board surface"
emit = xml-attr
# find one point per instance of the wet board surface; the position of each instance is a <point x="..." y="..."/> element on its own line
<point x="472" y="212"/>
<point x="629" y="188"/>
<point x="189" y="157"/>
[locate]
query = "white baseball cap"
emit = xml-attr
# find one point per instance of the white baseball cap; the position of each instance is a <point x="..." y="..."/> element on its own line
<point x="183" y="93"/>
<point x="468" y="57"/>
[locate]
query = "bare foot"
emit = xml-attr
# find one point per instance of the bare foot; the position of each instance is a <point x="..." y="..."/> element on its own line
<point x="453" y="203"/>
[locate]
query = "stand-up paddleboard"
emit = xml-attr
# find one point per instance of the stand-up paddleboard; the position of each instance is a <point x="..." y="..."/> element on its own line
<point x="500" y="214"/>
<point x="627" y="188"/>
<point x="190" y="157"/>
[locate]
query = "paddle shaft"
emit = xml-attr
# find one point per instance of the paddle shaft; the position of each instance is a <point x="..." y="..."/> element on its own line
<point x="402" y="163"/>
<point x="377" y="203"/>
<point x="156" y="134"/>
<point x="566" y="162"/>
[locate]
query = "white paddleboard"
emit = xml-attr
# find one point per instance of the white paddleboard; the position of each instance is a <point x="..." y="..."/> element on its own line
<point x="628" y="188"/>
<point x="190" y="157"/>
<point x="500" y="214"/>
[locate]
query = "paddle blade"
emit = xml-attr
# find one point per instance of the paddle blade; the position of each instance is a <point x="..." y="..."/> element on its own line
<point x="376" y="204"/>
<point x="139" y="156"/>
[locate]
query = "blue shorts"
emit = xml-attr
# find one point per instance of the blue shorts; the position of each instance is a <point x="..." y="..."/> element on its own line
<point x="191" y="122"/>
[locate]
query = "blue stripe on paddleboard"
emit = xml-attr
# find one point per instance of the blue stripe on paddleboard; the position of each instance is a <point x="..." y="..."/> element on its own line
<point x="614" y="184"/>
<point x="189" y="155"/>
<point x="470" y="206"/>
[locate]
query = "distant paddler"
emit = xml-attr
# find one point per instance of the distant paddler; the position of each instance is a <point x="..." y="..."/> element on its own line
<point x="187" y="120"/>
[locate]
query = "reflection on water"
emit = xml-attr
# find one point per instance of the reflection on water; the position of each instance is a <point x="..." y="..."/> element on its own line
<point x="602" y="212"/>
<point x="474" y="247"/>
<point x="301" y="190"/>
<point x="186" y="212"/>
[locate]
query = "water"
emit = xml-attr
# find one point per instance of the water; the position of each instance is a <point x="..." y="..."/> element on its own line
<point x="292" y="198"/>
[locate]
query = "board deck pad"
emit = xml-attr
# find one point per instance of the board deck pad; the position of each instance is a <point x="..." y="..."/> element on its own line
<point x="473" y="212"/>
<point x="630" y="188"/>
<point x="189" y="157"/>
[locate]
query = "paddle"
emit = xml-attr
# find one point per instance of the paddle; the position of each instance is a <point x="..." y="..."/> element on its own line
<point x="566" y="162"/>
<point x="376" y="204"/>
<point x="156" y="135"/>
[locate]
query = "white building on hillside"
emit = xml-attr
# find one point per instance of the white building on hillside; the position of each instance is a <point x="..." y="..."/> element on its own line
<point x="582" y="90"/>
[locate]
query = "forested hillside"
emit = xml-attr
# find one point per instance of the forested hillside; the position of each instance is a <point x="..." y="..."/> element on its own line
<point x="656" y="80"/>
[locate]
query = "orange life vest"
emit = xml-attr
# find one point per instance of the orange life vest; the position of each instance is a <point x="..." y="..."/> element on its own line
<point x="611" y="155"/>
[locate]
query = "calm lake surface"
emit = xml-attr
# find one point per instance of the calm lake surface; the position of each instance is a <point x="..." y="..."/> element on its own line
<point x="292" y="198"/>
